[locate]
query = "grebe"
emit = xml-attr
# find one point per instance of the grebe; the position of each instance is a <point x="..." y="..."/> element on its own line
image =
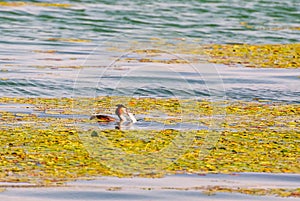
<point x="121" y="112"/>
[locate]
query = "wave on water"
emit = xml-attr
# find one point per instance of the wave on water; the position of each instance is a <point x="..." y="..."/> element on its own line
<point x="67" y="33"/>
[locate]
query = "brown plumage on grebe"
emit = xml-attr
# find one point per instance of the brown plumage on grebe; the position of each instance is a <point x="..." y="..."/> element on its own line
<point x="103" y="118"/>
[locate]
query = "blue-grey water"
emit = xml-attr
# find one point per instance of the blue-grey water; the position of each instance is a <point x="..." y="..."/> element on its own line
<point x="37" y="40"/>
<point x="176" y="187"/>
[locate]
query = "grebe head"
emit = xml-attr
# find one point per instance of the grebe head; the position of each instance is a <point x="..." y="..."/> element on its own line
<point x="121" y="111"/>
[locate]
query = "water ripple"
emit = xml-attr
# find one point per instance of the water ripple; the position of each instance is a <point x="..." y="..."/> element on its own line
<point x="26" y="31"/>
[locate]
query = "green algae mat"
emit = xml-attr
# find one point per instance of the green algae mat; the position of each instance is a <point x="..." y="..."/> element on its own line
<point x="246" y="55"/>
<point x="52" y="140"/>
<point x="256" y="56"/>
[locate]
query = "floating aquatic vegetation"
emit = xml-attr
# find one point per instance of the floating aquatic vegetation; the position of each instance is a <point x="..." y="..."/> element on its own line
<point x="247" y="55"/>
<point x="260" y="150"/>
<point x="57" y="67"/>
<point x="44" y="155"/>
<point x="281" y="192"/>
<point x="58" y="154"/>
<point x="45" y="51"/>
<point x="236" y="115"/>
<point x="258" y="56"/>
<point x="53" y="140"/>
<point x="273" y="28"/>
<point x="71" y="40"/>
<point x="212" y="190"/>
<point x="41" y="4"/>
<point x="165" y="61"/>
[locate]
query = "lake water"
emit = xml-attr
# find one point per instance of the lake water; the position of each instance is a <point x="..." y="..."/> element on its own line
<point x="36" y="40"/>
<point x="175" y="187"/>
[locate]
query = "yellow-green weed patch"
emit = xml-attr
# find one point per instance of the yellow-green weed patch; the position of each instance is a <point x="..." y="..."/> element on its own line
<point x="49" y="144"/>
<point x="258" y="56"/>
<point x="247" y="55"/>
<point x="22" y="3"/>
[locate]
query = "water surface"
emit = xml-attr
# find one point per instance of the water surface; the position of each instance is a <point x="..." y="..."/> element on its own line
<point x="36" y="40"/>
<point x="176" y="187"/>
